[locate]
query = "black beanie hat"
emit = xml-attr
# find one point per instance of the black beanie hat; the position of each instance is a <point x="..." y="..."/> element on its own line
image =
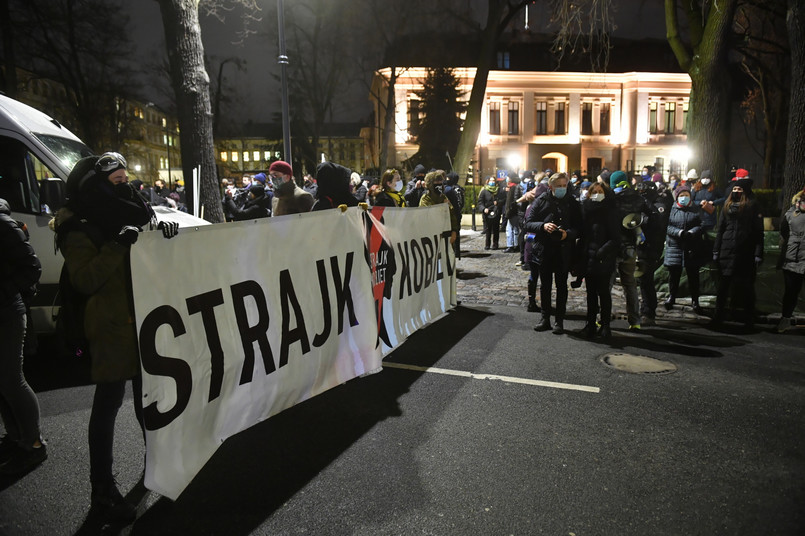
<point x="80" y="176"/>
<point x="257" y="190"/>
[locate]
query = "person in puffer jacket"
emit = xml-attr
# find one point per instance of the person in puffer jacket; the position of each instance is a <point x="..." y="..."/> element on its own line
<point x="792" y="258"/>
<point x="683" y="247"/>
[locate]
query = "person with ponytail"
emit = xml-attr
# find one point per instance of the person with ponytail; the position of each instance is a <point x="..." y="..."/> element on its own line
<point x="95" y="231"/>
<point x="738" y="249"/>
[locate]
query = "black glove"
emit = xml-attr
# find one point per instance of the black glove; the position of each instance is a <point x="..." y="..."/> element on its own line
<point x="169" y="228"/>
<point x="128" y="235"/>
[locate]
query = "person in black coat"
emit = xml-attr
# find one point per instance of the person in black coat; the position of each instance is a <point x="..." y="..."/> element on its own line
<point x="334" y="187"/>
<point x="555" y="220"/>
<point x="738" y="249"/>
<point x="22" y="448"/>
<point x="651" y="251"/>
<point x="683" y="248"/>
<point x="415" y="188"/>
<point x="600" y="246"/>
<point x="257" y="206"/>
<point x="491" y="202"/>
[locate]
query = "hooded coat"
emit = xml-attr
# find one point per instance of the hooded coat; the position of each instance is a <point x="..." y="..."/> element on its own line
<point x="98" y="266"/>
<point x="433" y="197"/>
<point x="683" y="246"/>
<point x="601" y="236"/>
<point x="333" y="180"/>
<point x="739" y="239"/>
<point x="412" y="193"/>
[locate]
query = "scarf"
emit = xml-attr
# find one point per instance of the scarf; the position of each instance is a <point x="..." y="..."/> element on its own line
<point x="492" y="189"/>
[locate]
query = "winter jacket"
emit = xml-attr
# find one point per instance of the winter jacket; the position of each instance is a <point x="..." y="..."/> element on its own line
<point x="566" y="214"/>
<point x="333" y="181"/>
<point x="432" y="197"/>
<point x="628" y="201"/>
<point x="290" y="200"/>
<point x="684" y="242"/>
<point x="412" y="193"/>
<point x="601" y="236"/>
<point x="706" y="194"/>
<point x="99" y="268"/>
<point x="792" y="237"/>
<point x="19" y="265"/>
<point x="389" y="199"/>
<point x="494" y="200"/>
<point x="253" y="209"/>
<point x="739" y="239"/>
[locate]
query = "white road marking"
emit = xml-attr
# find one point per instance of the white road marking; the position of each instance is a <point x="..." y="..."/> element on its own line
<point x="510" y="379"/>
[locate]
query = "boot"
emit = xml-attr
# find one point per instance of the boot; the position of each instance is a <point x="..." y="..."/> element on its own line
<point x="532" y="292"/>
<point x="669" y="303"/>
<point x="558" y="327"/>
<point x="532" y="306"/>
<point x="588" y="331"/>
<point x="694" y="302"/>
<point x="604" y="332"/>
<point x="544" y="324"/>
<point x="109" y="505"/>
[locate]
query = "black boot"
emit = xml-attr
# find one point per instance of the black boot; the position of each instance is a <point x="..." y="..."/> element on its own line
<point x="558" y="327"/>
<point x="696" y="307"/>
<point x="532" y="306"/>
<point x="605" y="332"/>
<point x="544" y="324"/>
<point x="532" y="292"/>
<point x="669" y="303"/>
<point x="588" y="331"/>
<point x="109" y="506"/>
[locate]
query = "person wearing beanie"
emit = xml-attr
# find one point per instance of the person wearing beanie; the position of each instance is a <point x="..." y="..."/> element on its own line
<point x="738" y="250"/>
<point x="491" y="202"/>
<point x="334" y="187"/>
<point x="95" y="231"/>
<point x="692" y="176"/>
<point x="683" y="248"/>
<point x="631" y="205"/>
<point x="416" y="186"/>
<point x="434" y="195"/>
<point x="288" y="197"/>
<point x="555" y="219"/>
<point x="792" y="258"/>
<point x="708" y="200"/>
<point x="657" y="177"/>
<point x="258" y="204"/>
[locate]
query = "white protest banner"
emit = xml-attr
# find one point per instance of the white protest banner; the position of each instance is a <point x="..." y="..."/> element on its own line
<point x="240" y="321"/>
<point x="413" y="268"/>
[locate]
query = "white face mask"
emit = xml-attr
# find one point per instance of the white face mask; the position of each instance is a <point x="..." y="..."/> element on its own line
<point x="597" y="197"/>
<point x="705" y="182"/>
<point x="398" y="185"/>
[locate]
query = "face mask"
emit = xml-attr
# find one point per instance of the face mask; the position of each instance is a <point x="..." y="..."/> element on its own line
<point x="705" y="182"/>
<point x="584" y="195"/>
<point x="574" y="180"/>
<point x="559" y="193"/>
<point x="597" y="197"/>
<point x="276" y="181"/>
<point x="490" y="183"/>
<point x="736" y="196"/>
<point x="683" y="200"/>
<point x="398" y="185"/>
<point x="439" y="188"/>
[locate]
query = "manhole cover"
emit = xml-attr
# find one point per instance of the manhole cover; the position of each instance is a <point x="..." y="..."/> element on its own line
<point x="637" y="364"/>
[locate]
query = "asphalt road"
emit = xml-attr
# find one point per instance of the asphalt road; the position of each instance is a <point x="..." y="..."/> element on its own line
<point x="714" y="448"/>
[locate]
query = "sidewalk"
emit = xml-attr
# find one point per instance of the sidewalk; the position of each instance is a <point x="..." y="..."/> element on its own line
<point x="491" y="278"/>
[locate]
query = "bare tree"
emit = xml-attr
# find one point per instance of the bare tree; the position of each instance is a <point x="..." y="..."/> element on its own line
<point x="794" y="172"/>
<point x="8" y="75"/>
<point x="499" y="14"/>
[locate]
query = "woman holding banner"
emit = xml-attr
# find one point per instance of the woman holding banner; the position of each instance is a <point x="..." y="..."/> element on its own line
<point x="94" y="232"/>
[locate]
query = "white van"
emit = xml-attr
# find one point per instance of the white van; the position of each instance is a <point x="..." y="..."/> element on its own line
<point x="36" y="156"/>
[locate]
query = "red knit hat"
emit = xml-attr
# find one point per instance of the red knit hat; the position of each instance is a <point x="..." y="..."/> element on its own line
<point x="281" y="167"/>
<point x="741" y="173"/>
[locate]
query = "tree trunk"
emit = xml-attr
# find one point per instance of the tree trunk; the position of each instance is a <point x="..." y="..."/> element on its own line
<point x="389" y="121"/>
<point x="794" y="174"/>
<point x="192" y="86"/>
<point x="472" y="121"/>
<point x="709" y="119"/>
<point x="8" y="82"/>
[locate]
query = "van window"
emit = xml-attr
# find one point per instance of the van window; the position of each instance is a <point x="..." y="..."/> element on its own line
<point x="68" y="152"/>
<point x="20" y="173"/>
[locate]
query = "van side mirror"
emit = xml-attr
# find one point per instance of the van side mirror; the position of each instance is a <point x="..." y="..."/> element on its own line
<point x="53" y="193"/>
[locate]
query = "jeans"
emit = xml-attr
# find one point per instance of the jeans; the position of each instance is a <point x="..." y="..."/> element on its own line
<point x="105" y="405"/>
<point x="512" y="233"/>
<point x="19" y="407"/>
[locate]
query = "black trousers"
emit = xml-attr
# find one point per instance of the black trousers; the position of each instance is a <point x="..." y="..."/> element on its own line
<point x="793" y="284"/>
<point x="491" y="231"/>
<point x="648" y="289"/>
<point x="598" y="294"/>
<point x="548" y="274"/>
<point x="744" y="283"/>
<point x="675" y="274"/>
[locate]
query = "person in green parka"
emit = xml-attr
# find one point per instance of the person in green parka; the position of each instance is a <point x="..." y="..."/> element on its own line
<point x="434" y="195"/>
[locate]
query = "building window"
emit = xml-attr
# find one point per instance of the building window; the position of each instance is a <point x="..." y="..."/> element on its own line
<point x="224" y="156"/>
<point x="514" y="118"/>
<point x="670" y="117"/>
<point x="559" y="118"/>
<point x="605" y="128"/>
<point x="542" y="119"/>
<point x="266" y="156"/>
<point x="503" y="60"/>
<point x="413" y="114"/>
<point x="587" y="118"/>
<point x="652" y="118"/>
<point x="245" y="156"/>
<point x="234" y="156"/>
<point x="256" y="156"/>
<point x="685" y="118"/>
<point x="494" y="118"/>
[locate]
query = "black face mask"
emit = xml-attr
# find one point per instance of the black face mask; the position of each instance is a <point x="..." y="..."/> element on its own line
<point x="124" y="190"/>
<point x="736" y="196"/>
<point x="439" y="188"/>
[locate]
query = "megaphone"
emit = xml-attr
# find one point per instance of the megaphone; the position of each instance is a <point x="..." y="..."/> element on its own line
<point x="633" y="220"/>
